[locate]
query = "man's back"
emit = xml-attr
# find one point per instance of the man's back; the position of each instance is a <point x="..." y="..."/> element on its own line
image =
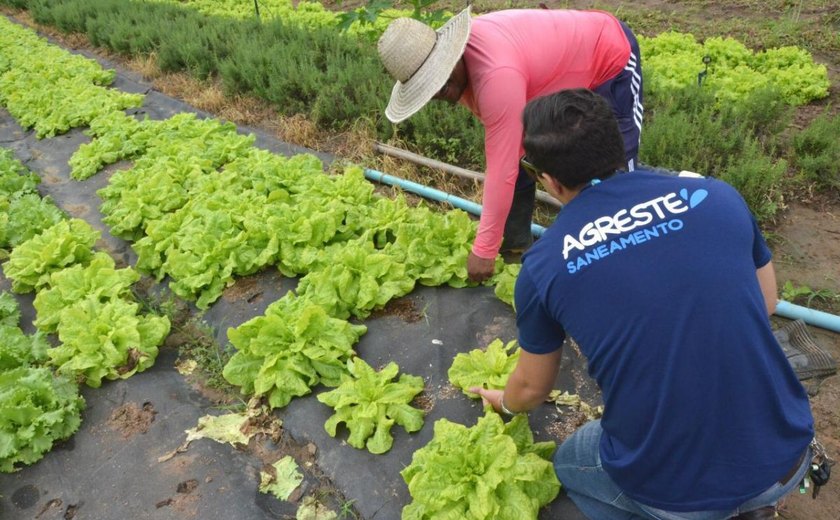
<point x="655" y="278"/>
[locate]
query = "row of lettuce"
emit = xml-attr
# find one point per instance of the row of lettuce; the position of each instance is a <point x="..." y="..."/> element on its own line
<point x="293" y="56"/>
<point x="202" y="206"/>
<point x="81" y="297"/>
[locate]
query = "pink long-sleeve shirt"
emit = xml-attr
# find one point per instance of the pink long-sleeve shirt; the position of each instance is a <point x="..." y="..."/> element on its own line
<point x="513" y="56"/>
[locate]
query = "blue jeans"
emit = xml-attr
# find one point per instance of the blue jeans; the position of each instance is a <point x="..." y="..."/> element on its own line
<point x="577" y="463"/>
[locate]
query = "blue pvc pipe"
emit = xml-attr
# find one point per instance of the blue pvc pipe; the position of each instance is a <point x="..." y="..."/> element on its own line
<point x="783" y="308"/>
<point x="810" y="316"/>
<point x="435" y="194"/>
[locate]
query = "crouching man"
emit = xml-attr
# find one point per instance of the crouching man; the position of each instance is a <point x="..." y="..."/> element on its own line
<point x="666" y="284"/>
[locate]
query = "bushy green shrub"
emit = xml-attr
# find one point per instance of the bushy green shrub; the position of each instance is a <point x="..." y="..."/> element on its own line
<point x="687" y="130"/>
<point x="449" y="133"/>
<point x="758" y="177"/>
<point x="817" y="151"/>
<point x="281" y="64"/>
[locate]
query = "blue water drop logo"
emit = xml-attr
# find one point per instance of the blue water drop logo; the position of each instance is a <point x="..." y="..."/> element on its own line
<point x="696" y="198"/>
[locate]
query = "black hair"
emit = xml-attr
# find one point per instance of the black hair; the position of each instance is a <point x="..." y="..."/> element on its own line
<point x="573" y="136"/>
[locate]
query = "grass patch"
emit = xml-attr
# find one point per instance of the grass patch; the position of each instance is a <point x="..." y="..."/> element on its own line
<point x="193" y="338"/>
<point x="826" y="300"/>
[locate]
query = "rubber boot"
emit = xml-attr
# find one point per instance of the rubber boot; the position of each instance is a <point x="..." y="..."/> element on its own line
<point x="517" y="236"/>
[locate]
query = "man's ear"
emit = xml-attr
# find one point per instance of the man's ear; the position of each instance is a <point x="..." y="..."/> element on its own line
<point x="558" y="189"/>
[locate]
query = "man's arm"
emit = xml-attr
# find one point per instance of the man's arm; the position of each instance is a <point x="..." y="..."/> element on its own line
<point x="528" y="385"/>
<point x="767" y="281"/>
<point x="500" y="101"/>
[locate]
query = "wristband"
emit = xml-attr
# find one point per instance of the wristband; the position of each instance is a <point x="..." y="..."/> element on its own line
<point x="503" y="407"/>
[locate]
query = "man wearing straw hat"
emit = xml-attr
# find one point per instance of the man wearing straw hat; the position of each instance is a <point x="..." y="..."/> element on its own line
<point x="494" y="64"/>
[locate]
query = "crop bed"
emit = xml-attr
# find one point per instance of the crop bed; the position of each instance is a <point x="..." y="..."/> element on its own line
<point x="124" y="459"/>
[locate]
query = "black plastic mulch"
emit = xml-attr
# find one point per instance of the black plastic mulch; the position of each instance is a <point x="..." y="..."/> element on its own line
<point x="108" y="472"/>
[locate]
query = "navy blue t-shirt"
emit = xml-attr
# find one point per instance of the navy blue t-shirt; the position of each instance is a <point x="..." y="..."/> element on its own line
<point x="655" y="278"/>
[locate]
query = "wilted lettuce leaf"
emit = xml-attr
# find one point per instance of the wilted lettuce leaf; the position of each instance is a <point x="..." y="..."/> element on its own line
<point x="369" y="403"/>
<point x="226" y="428"/>
<point x="489" y="368"/>
<point x="490" y="470"/>
<point x="285" y="479"/>
<point x="37" y="408"/>
<point x="311" y="509"/>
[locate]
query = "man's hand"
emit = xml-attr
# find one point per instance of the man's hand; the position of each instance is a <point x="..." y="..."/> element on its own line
<point x="480" y="269"/>
<point x="491" y="397"/>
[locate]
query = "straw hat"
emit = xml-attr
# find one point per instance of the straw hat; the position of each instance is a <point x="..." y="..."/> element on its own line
<point x="421" y="60"/>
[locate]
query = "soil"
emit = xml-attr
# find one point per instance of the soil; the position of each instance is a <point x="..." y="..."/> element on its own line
<point x="245" y="289"/>
<point x="571" y="420"/>
<point x="131" y="419"/>
<point x="404" y="308"/>
<point x="806" y="246"/>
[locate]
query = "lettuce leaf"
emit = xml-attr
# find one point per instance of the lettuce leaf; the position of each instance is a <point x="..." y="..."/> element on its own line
<point x="9" y="310"/>
<point x="434" y="246"/>
<point x="489" y="368"/>
<point x="50" y="89"/>
<point x="37" y="408"/>
<point x="18" y="349"/>
<point x="672" y="61"/>
<point x="490" y="470"/>
<point x="370" y="403"/>
<point x="99" y="279"/>
<point x="106" y="340"/>
<point x="290" y="349"/>
<point x="14" y="179"/>
<point x="118" y="136"/>
<point x="27" y="215"/>
<point x="64" y="244"/>
<point x="505" y="281"/>
<point x="23" y="213"/>
<point x="358" y="279"/>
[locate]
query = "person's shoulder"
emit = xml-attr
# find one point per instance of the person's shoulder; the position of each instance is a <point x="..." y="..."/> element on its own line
<point x="673" y="178"/>
<point x="695" y="189"/>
